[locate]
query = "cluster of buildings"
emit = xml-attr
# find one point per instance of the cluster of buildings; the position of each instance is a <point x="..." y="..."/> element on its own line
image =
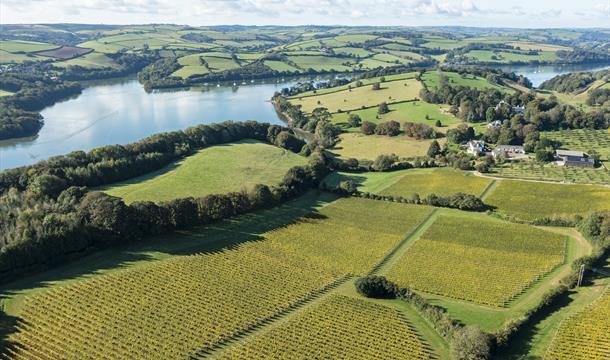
<point x="516" y="152"/>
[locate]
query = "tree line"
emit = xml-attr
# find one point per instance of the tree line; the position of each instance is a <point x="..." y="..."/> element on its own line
<point x="47" y="216"/>
<point x="572" y="82"/>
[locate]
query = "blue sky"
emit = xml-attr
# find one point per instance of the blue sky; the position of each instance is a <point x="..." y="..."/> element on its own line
<point x="498" y="13"/>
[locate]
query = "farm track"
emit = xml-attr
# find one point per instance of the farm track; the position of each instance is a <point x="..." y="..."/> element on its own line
<point x="489" y="189"/>
<point x="476" y="173"/>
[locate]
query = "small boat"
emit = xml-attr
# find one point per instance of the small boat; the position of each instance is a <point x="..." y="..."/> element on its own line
<point x="234" y="84"/>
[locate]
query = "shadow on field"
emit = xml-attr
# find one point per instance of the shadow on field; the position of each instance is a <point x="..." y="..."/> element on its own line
<point x="199" y="240"/>
<point x="520" y="345"/>
<point x="8" y="325"/>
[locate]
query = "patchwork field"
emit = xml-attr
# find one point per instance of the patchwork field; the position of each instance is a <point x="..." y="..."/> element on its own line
<point x="437" y="181"/>
<point x="531" y="200"/>
<point x="432" y="80"/>
<point x="488" y="56"/>
<point x="154" y="309"/>
<point x="361" y="146"/>
<point x="329" y="330"/>
<point x="585" y="335"/>
<point x="218" y="169"/>
<point x="487" y="261"/>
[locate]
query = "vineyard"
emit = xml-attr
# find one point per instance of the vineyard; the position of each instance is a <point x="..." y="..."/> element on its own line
<point x="339" y="328"/>
<point x="487" y="261"/>
<point x="586" y="140"/>
<point x="586" y="335"/>
<point x="529" y="200"/>
<point x="551" y="172"/>
<point x="178" y="306"/>
<point x="438" y="181"/>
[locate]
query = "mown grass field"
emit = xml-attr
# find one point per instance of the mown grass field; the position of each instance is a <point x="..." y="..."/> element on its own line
<point x="153" y="309"/>
<point x="365" y="96"/>
<point x="92" y="60"/>
<point x="481" y="260"/>
<point x="16" y="46"/>
<point x="508" y="57"/>
<point x="329" y="330"/>
<point x="585" y="335"/>
<point x="442" y="181"/>
<point x="218" y="169"/>
<point x="532" y="200"/>
<point x="359" y="146"/>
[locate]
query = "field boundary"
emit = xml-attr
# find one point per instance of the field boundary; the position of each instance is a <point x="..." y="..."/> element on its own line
<point x="261" y="324"/>
<point x="297" y="97"/>
<point x="489" y="189"/>
<point x="404" y="243"/>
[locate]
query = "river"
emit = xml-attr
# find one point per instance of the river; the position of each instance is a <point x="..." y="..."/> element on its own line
<point x="120" y="112"/>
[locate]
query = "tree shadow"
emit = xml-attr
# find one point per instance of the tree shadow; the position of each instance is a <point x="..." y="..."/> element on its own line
<point x="211" y="238"/>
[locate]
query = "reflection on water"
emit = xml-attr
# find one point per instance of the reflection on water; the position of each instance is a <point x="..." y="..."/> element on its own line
<point x="120" y="112"/>
<point x="540" y="73"/>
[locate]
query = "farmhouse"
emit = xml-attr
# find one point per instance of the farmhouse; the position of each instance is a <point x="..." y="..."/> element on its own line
<point x="496" y="124"/>
<point x="475" y="147"/>
<point x="574" y="158"/>
<point x="508" y="151"/>
<point x="513" y="109"/>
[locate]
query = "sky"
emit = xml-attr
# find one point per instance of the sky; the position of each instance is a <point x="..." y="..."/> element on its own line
<point x="488" y="13"/>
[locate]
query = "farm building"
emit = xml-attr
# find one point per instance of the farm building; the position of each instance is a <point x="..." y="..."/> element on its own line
<point x="475" y="147"/>
<point x="508" y="151"/>
<point x="496" y="124"/>
<point x="513" y="109"/>
<point x="574" y="158"/>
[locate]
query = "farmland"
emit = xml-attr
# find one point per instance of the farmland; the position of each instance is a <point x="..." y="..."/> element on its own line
<point x="589" y="141"/>
<point x="169" y="291"/>
<point x="432" y="79"/>
<point x="218" y="169"/>
<point x="529" y="200"/>
<point x="359" y="146"/>
<point x="441" y="182"/>
<point x="328" y="331"/>
<point x="449" y="263"/>
<point x="585" y="335"/>
<point x="551" y="172"/>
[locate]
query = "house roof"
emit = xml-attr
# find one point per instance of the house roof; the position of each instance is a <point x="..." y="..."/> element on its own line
<point x="570" y="153"/>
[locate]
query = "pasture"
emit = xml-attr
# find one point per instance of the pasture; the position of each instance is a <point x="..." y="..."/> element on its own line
<point x="320" y="63"/>
<point x="328" y="331"/>
<point x="532" y="200"/>
<point x="359" y="146"/>
<point x="22" y="46"/>
<point x="487" y="261"/>
<point x="442" y="181"/>
<point x="218" y="169"/>
<point x="92" y="60"/>
<point x="488" y="56"/>
<point x="364" y="96"/>
<point x="432" y="80"/>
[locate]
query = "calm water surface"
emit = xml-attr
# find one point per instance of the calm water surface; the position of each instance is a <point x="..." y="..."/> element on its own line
<point x="120" y="112"/>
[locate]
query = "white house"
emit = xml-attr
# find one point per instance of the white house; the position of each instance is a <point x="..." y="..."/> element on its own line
<point x="508" y="151"/>
<point x="475" y="147"/>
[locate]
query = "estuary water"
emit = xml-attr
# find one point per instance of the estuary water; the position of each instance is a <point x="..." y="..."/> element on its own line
<point x="120" y="112"/>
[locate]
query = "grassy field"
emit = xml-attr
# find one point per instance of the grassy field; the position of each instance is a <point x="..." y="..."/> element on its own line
<point x="373" y="182"/>
<point x="365" y="96"/>
<point x="280" y="66"/>
<point x="552" y="172"/>
<point x="508" y="57"/>
<point x="585" y="335"/>
<point x="441" y="181"/>
<point x="92" y="60"/>
<point x="241" y="281"/>
<point x="321" y="63"/>
<point x="413" y="111"/>
<point x="531" y="200"/>
<point x="361" y="146"/>
<point x="432" y="81"/>
<point x="450" y="263"/>
<point x="16" y="46"/>
<point x="329" y="330"/>
<point x="218" y="169"/>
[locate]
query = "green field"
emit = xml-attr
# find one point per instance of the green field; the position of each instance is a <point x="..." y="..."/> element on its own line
<point x="280" y="66"/>
<point x="486" y="262"/>
<point x="441" y="182"/>
<point x="363" y="147"/>
<point x="328" y="331"/>
<point x="508" y="57"/>
<point x="412" y="111"/>
<point x="586" y="140"/>
<point x="531" y="200"/>
<point x="92" y="60"/>
<point x="432" y="81"/>
<point x="321" y="63"/>
<point x="365" y="96"/>
<point x="20" y="46"/>
<point x="218" y="169"/>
